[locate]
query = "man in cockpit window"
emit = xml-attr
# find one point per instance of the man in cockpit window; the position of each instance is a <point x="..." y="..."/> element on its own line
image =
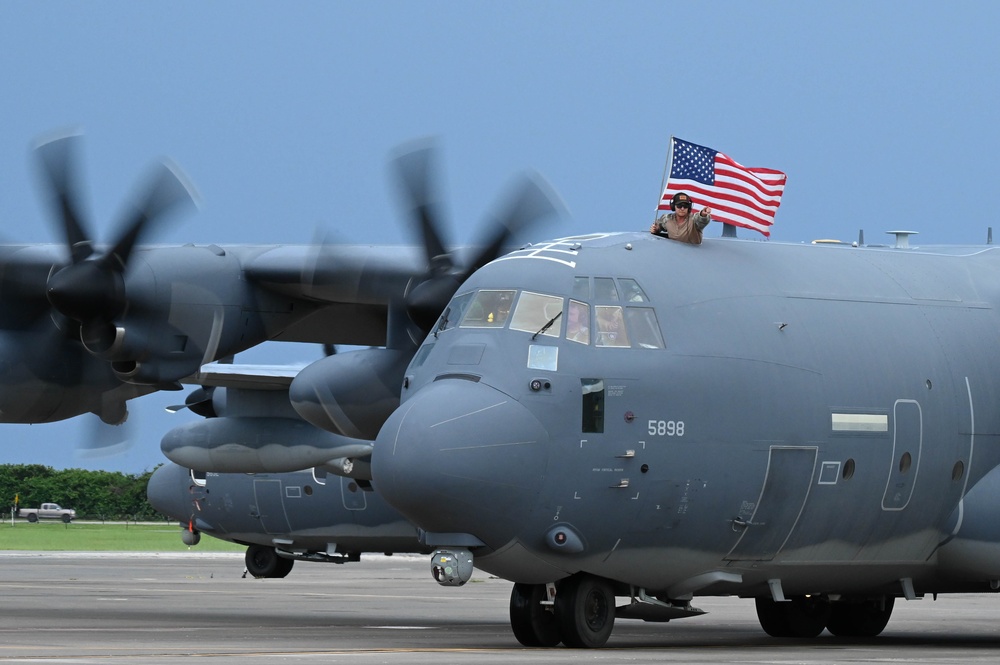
<point x="680" y="224"/>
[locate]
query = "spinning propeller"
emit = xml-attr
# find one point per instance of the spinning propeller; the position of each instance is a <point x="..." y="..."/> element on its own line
<point x="530" y="201"/>
<point x="90" y="289"/>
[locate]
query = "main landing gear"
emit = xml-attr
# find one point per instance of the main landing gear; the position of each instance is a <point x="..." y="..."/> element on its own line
<point x="807" y="616"/>
<point x="265" y="562"/>
<point x="582" y="614"/>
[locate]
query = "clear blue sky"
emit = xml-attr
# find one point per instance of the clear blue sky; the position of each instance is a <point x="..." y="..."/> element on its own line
<point x="883" y="115"/>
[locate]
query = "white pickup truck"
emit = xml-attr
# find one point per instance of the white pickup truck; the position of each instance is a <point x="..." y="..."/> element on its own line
<point x="48" y="511"/>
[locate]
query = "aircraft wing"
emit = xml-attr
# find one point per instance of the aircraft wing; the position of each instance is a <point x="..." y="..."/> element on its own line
<point x="244" y="376"/>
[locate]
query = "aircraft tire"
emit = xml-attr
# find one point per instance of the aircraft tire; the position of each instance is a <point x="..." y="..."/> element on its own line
<point x="284" y="567"/>
<point x="798" y="617"/>
<point x="585" y="611"/>
<point x="264" y="562"/>
<point x="532" y="623"/>
<point x="864" y="618"/>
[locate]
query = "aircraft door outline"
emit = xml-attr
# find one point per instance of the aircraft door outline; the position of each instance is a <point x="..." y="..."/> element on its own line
<point x="270" y="505"/>
<point x="788" y="481"/>
<point x="907" y="426"/>
<point x="351" y="495"/>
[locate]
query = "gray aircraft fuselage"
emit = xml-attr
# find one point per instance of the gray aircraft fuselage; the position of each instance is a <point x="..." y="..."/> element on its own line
<point x="796" y="419"/>
<point x="302" y="514"/>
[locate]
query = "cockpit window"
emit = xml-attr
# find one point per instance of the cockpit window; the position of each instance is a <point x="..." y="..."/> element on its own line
<point x="610" y="326"/>
<point x="581" y="288"/>
<point x="489" y="309"/>
<point x="644" y="327"/>
<point x="631" y="291"/>
<point x="538" y="313"/>
<point x="578" y="322"/>
<point x="604" y="289"/>
<point x="453" y="313"/>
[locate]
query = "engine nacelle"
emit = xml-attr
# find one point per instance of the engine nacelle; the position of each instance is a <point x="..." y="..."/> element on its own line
<point x="350" y="393"/>
<point x="163" y="374"/>
<point x="256" y="445"/>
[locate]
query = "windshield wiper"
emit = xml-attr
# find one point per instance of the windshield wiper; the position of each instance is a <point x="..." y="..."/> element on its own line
<point x="547" y="325"/>
<point x="443" y="323"/>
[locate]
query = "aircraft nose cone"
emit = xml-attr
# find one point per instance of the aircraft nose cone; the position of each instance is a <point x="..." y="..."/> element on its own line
<point x="168" y="491"/>
<point x="462" y="457"/>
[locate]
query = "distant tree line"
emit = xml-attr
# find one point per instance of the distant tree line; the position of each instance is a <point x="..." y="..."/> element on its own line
<point x="110" y="495"/>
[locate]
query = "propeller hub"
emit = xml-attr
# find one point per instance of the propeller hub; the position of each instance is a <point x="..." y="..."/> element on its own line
<point x="87" y="291"/>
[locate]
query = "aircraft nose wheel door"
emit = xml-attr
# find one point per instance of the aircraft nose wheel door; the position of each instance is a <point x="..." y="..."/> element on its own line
<point x="786" y="487"/>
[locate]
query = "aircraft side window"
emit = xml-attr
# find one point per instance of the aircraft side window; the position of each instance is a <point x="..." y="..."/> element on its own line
<point x="610" y="326"/>
<point x="593" y="405"/>
<point x="422" y="353"/>
<point x="535" y="311"/>
<point x="644" y="328"/>
<point x="605" y="289"/>
<point x="581" y="288"/>
<point x="631" y="291"/>
<point x="454" y="312"/>
<point x="489" y="309"/>
<point x="578" y="322"/>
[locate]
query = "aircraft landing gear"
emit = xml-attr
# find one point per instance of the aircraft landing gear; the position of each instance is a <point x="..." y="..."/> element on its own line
<point x="807" y="617"/>
<point x="798" y="617"/>
<point x="860" y="618"/>
<point x="264" y="562"/>
<point x="583" y="615"/>
<point x="534" y="624"/>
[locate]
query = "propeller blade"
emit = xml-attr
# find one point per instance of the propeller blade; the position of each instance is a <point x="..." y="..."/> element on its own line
<point x="106" y="440"/>
<point x="168" y="189"/>
<point x="531" y="201"/>
<point x="414" y="168"/>
<point x="58" y="161"/>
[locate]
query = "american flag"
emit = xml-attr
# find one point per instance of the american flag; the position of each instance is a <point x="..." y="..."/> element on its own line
<point x="739" y="195"/>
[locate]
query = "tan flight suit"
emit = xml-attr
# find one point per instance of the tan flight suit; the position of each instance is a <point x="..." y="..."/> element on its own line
<point x="690" y="232"/>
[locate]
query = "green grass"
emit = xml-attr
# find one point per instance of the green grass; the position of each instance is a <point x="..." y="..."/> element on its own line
<point x="75" y="537"/>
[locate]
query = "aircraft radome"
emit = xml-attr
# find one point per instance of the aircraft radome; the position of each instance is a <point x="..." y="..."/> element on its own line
<point x="621" y="416"/>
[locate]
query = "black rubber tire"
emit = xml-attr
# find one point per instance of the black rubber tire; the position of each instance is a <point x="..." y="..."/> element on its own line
<point x="860" y="618"/>
<point x="797" y="617"/>
<point x="262" y="561"/>
<point x="32" y="517"/>
<point x="585" y="611"/>
<point x="532" y="623"/>
<point x="284" y="567"/>
<point x="66" y="519"/>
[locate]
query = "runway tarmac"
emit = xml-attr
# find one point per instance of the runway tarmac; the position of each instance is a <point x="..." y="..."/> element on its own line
<point x="167" y="608"/>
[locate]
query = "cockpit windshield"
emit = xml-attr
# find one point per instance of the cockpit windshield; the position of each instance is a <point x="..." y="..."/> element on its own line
<point x="489" y="309"/>
<point x="621" y="317"/>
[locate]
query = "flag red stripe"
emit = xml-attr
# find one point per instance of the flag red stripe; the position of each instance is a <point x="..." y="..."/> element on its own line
<point x="743" y="196"/>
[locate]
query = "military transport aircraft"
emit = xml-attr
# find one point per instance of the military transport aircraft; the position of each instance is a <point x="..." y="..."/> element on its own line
<point x="282" y="517"/>
<point x="85" y="328"/>
<point x="250" y="426"/>
<point x="807" y="425"/>
<point x="625" y="416"/>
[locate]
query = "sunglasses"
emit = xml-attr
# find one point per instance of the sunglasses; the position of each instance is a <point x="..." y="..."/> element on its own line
<point x="683" y="205"/>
